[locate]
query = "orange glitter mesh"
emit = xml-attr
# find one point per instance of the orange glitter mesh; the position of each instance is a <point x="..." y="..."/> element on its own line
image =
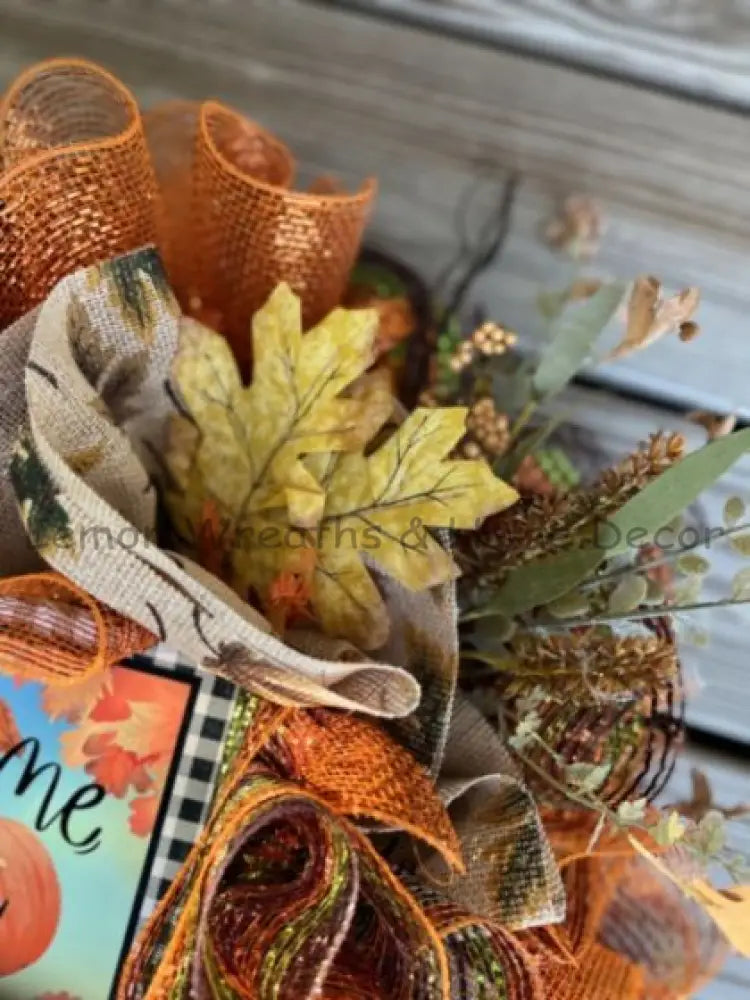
<point x="84" y="178"/>
<point x="476" y="947"/>
<point x="281" y="870"/>
<point x="629" y="933"/>
<point x="277" y="867"/>
<point x="252" y="233"/>
<point x="52" y="632"/>
<point x="362" y="772"/>
<point x="77" y="185"/>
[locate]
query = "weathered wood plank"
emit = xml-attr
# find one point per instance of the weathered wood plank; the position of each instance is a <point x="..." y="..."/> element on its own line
<point x="437" y="118"/>
<point x="700" y="48"/>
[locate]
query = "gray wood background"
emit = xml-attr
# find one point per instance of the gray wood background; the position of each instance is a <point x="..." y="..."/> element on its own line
<point x="441" y="99"/>
<point x="700" y="47"/>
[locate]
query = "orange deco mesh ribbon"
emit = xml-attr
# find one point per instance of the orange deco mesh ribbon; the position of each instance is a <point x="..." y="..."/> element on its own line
<point x="285" y="897"/>
<point x="84" y="178"/>
<point x="630" y="933"/>
<point x="52" y="632"/>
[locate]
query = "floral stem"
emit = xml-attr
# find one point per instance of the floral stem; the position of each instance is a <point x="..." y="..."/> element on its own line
<point x="593" y="805"/>
<point x="666" y="557"/>
<point x="527" y="412"/>
<point x="637" y="615"/>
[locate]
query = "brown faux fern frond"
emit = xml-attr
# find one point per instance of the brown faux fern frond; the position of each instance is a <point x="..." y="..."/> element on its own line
<point x="639" y="468"/>
<point x="544" y="525"/>
<point x="590" y="667"/>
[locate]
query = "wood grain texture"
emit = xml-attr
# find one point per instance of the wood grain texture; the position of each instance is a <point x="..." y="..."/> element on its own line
<point x="441" y="122"/>
<point x="701" y="47"/>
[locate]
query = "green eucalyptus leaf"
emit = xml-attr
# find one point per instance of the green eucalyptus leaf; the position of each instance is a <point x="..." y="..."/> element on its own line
<point x="511" y="389"/>
<point x="632" y="812"/>
<point x="676" y="524"/>
<point x="628" y="595"/>
<point x="537" y="583"/>
<point x="734" y="511"/>
<point x="571" y="605"/>
<point x="689" y="591"/>
<point x="491" y="634"/>
<point x="587" y="777"/>
<point x="693" y="564"/>
<point x="741" y="544"/>
<point x="669" y="829"/>
<point x="741" y="585"/>
<point x="574" y="333"/>
<point x="674" y="490"/>
<point x="540" y="582"/>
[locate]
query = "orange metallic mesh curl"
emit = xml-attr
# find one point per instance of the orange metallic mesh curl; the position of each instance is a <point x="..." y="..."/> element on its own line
<point x="251" y="795"/>
<point x="522" y="981"/>
<point x="629" y="933"/>
<point x="84" y="178"/>
<point x="77" y="185"/>
<point x="252" y="233"/>
<point x="311" y="771"/>
<point x="52" y="632"/>
<point x="361" y="771"/>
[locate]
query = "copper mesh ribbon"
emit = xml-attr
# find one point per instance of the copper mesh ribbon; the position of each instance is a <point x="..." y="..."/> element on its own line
<point x="54" y="633"/>
<point x="83" y="178"/>
<point x="630" y="932"/>
<point x="285" y="897"/>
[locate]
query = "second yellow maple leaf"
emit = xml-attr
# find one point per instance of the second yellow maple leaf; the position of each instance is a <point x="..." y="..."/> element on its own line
<point x="282" y="464"/>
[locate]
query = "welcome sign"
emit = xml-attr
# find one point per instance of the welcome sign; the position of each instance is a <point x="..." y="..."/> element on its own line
<point x="85" y="778"/>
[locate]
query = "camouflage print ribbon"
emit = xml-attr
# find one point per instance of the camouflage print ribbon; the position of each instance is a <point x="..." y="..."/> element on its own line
<point x="511" y="877"/>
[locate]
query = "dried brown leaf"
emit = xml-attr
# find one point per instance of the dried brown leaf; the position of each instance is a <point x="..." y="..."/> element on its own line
<point x="577" y="228"/>
<point x="650" y="317"/>
<point x="715" y="425"/>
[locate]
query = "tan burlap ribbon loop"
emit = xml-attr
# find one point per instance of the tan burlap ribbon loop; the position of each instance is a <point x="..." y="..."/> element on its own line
<point x="81" y="449"/>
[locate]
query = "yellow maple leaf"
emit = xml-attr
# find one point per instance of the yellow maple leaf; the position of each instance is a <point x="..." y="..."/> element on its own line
<point x="249" y="438"/>
<point x="381" y="507"/>
<point x="729" y="909"/>
<point x="281" y="465"/>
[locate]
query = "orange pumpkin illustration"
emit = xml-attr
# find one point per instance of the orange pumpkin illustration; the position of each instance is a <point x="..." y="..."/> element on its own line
<point x="29" y="897"/>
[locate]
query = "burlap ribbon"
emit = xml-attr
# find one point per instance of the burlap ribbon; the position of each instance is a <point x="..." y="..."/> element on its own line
<point x="97" y="398"/>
